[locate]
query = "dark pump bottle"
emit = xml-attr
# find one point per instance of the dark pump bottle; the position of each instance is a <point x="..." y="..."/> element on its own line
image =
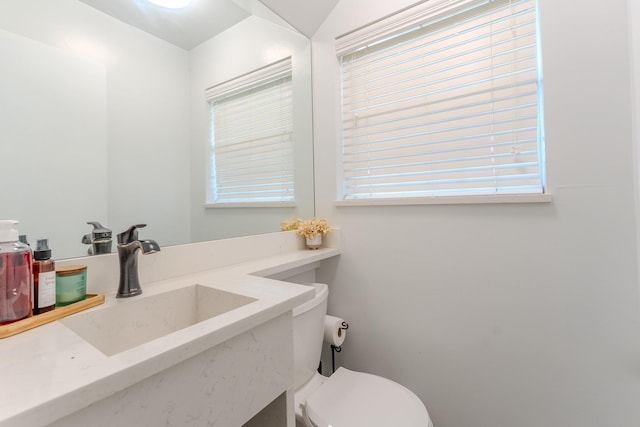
<point x="44" y="279"/>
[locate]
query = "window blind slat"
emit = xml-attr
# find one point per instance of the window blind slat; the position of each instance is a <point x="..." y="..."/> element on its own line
<point x="448" y="106"/>
<point x="266" y="178"/>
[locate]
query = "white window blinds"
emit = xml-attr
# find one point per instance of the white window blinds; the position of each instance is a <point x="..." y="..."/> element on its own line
<point x="251" y="144"/>
<point x="443" y="99"/>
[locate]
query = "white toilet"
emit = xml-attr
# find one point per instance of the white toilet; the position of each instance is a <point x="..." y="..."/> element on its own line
<point x="347" y="398"/>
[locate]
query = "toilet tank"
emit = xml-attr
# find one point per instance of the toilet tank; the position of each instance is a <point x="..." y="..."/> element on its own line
<point x="308" y="333"/>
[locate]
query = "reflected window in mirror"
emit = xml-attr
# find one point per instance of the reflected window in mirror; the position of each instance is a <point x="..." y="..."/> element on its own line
<point x="251" y="144"/>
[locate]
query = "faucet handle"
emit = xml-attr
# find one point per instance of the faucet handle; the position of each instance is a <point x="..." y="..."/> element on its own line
<point x="130" y="235"/>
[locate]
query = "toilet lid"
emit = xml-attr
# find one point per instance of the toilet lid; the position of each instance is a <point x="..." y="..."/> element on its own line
<point x="351" y="398"/>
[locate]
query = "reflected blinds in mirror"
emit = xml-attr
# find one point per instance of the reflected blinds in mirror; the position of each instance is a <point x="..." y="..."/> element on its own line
<point x="443" y="99"/>
<point x="251" y="137"/>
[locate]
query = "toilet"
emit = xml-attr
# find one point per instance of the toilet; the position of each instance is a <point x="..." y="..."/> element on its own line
<point x="346" y="398"/>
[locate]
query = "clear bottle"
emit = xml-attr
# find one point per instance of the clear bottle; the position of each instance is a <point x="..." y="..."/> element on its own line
<point x="44" y="279"/>
<point x="16" y="279"/>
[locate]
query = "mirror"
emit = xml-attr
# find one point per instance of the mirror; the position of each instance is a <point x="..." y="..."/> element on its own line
<point x="101" y="121"/>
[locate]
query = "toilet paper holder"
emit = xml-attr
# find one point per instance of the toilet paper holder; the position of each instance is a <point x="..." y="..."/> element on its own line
<point x="336" y="348"/>
<point x="343" y="327"/>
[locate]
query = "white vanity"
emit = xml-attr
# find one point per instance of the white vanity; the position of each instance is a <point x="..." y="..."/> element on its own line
<point x="209" y="342"/>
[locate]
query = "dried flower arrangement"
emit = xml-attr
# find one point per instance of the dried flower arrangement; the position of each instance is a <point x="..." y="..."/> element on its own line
<point x="290" y="224"/>
<point x="313" y="227"/>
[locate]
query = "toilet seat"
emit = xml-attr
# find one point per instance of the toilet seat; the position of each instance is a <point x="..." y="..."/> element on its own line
<point x="350" y="398"/>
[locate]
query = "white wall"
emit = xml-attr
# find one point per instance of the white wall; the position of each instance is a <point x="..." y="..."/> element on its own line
<point x="503" y="315"/>
<point x="147" y="115"/>
<point x="247" y="46"/>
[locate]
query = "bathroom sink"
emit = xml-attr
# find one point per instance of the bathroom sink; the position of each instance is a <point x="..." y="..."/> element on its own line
<point x="132" y="322"/>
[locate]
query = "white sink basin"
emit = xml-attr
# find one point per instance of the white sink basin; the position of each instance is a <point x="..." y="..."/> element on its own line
<point x="132" y="322"/>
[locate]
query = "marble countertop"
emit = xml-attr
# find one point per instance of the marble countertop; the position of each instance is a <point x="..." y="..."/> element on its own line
<point x="49" y="372"/>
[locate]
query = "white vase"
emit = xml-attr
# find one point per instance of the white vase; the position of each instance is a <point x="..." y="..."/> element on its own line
<point x="314" y="242"/>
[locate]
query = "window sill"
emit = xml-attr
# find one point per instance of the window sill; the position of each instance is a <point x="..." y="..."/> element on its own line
<point x="250" y="205"/>
<point x="450" y="200"/>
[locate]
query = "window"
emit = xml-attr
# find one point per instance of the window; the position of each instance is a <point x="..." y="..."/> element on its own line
<point x="443" y="99"/>
<point x="251" y="152"/>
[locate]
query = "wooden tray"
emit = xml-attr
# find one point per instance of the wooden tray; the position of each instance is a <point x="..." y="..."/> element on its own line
<point x="57" y="313"/>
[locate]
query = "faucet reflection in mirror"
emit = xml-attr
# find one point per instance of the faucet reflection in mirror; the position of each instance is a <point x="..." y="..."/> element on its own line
<point x="99" y="239"/>
<point x="128" y="246"/>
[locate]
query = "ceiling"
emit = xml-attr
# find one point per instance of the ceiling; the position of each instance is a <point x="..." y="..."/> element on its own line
<point x="203" y="19"/>
<point x="304" y="15"/>
<point x="185" y="28"/>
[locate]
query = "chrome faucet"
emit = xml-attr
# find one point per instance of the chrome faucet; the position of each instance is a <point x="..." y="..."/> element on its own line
<point x="128" y="245"/>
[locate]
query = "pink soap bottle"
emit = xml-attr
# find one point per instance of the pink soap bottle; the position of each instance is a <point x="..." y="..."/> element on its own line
<point x="16" y="278"/>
